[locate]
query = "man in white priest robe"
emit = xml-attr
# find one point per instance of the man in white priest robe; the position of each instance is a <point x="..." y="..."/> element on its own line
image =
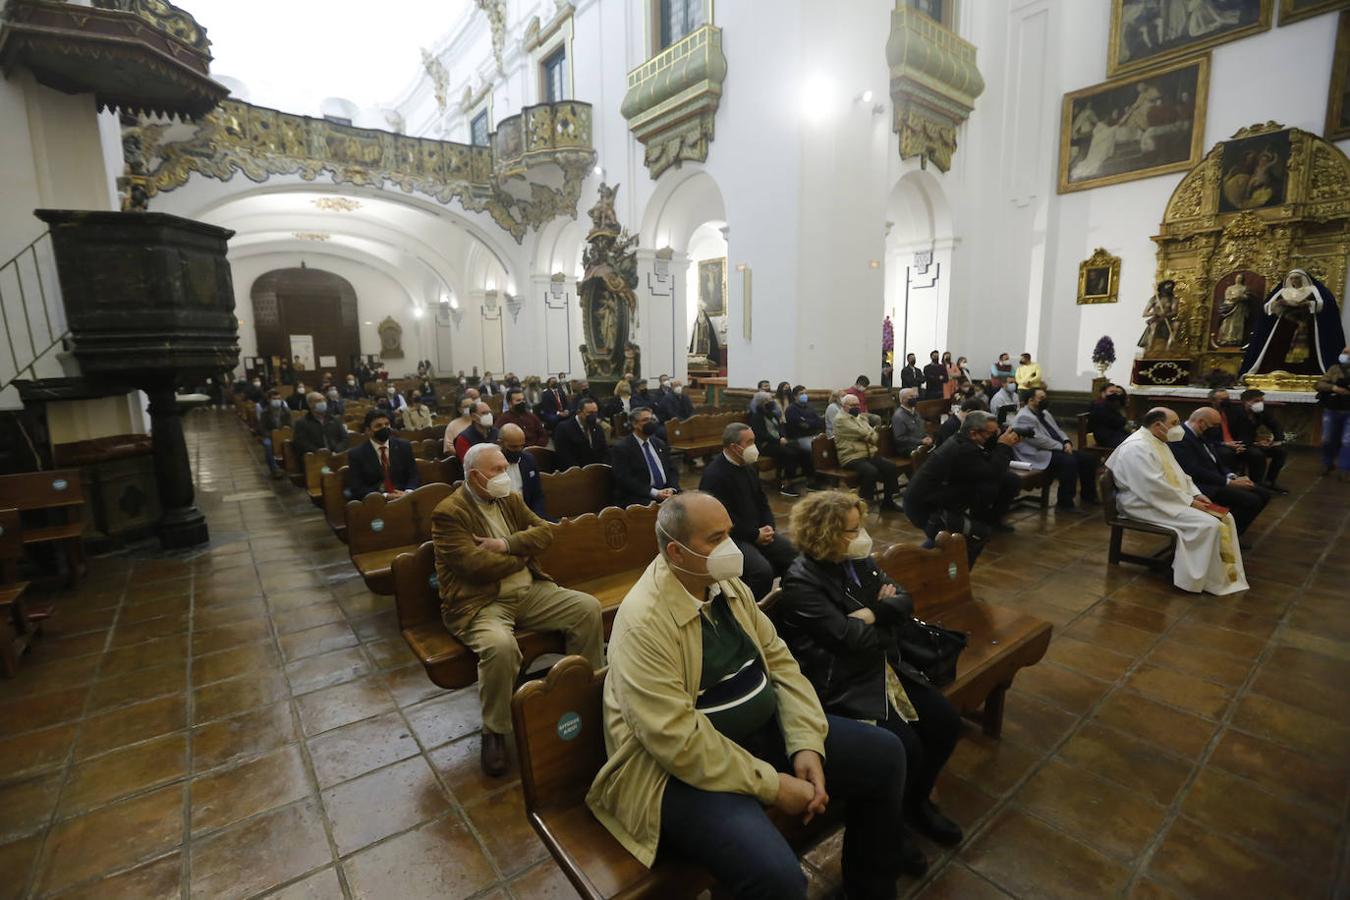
<point x="1151" y="487"/>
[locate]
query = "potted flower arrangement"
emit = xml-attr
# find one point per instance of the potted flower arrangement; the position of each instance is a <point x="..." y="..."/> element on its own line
<point x="1104" y="354"/>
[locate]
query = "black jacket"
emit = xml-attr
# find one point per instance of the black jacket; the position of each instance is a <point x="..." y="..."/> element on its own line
<point x="911" y="376"/>
<point x="531" y="488"/>
<point x="365" y="475"/>
<point x="738" y="489"/>
<point x="570" y="447"/>
<point x="949" y="478"/>
<point x="1198" y="459"/>
<point x="803" y="421"/>
<point x="935" y="375"/>
<point x="1107" y="423"/>
<point x="759" y="423"/>
<point x="1243" y="425"/>
<point x="674" y="406"/>
<point x="842" y="657"/>
<point x="632" y="478"/>
<point x="309" y="435"/>
<point x="947" y="430"/>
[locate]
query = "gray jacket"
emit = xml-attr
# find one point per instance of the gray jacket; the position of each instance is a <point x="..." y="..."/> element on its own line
<point x="1036" y="449"/>
<point x="908" y="429"/>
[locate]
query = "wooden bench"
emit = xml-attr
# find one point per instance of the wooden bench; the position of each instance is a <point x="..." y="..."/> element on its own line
<point x="439" y="471"/>
<point x="1161" y="560"/>
<point x="317" y="464"/>
<point x="335" y="494"/>
<point x="1032" y="480"/>
<point x="904" y="462"/>
<point x="379" y="529"/>
<point x="19" y="625"/>
<point x="544" y="462"/>
<point x="59" y="491"/>
<point x="577" y="491"/>
<point x="602" y="555"/>
<point x="700" y="435"/>
<point x="826" y="461"/>
<point x="1086" y="441"/>
<point x="1000" y="640"/>
<point x="279" y="438"/>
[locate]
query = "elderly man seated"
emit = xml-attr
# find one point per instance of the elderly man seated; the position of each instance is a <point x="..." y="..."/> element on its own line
<point x="1044" y="446"/>
<point x="486" y="541"/>
<point x="709" y="720"/>
<point x="1153" y="488"/>
<point x="1197" y="456"/>
<point x="907" y="426"/>
<point x="855" y="444"/>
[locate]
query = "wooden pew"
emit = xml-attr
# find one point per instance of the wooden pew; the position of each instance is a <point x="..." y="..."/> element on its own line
<point x="292" y="464"/>
<point x="317" y="463"/>
<point x="18" y="624"/>
<point x="335" y="494"/>
<point x="279" y="438"/>
<point x="379" y="529"/>
<point x="904" y="463"/>
<point x="700" y="436"/>
<point x="543" y="459"/>
<point x="1162" y="560"/>
<point x="427" y="449"/>
<point x="602" y="555"/>
<point x="1087" y="442"/>
<point x="827" y="462"/>
<point x="931" y="412"/>
<point x="59" y="490"/>
<point x="1034" y="480"/>
<point x="577" y="491"/>
<point x="443" y="471"/>
<point x="1000" y="640"/>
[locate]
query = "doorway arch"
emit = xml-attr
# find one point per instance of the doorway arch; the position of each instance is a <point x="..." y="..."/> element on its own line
<point x="305" y="301"/>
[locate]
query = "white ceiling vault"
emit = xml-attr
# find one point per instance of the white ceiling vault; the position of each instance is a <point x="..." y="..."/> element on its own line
<point x="292" y="55"/>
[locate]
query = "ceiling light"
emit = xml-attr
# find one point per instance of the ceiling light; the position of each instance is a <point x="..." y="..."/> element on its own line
<point x="599" y="170"/>
<point x="454" y="303"/>
<point x="418" y="312"/>
<point x="368" y="323"/>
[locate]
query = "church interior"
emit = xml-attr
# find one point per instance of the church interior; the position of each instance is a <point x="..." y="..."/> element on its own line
<point x="674" y="448"/>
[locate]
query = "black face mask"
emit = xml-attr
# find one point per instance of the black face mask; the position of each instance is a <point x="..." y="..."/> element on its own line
<point x="854" y="410"/>
<point x="591" y="418"/>
<point x="512" y="456"/>
<point x="648" y="428"/>
<point x="1044" y="406"/>
<point x="382" y="435"/>
<point x="520" y="408"/>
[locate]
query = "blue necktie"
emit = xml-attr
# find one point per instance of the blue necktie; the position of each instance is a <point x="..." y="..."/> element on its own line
<point x="658" y="480"/>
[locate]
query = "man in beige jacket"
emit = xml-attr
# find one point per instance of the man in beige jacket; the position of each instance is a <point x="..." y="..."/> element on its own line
<point x="486" y="542"/>
<point x="855" y="445"/>
<point x="708" y="721"/>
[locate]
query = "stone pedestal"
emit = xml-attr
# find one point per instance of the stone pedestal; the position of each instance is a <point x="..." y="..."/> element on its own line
<point x="182" y="524"/>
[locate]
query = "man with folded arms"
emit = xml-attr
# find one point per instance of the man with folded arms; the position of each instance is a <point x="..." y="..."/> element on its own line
<point x="709" y="720"/>
<point x="487" y="542"/>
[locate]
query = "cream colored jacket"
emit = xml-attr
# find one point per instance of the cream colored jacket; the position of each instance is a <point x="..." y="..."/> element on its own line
<point x="652" y="730"/>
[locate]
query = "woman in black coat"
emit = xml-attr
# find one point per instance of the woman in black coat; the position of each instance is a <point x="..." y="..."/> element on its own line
<point x="838" y="614"/>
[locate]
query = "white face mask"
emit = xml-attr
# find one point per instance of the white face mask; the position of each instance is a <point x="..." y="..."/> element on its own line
<point x="860" y="547"/>
<point x="498" y="486"/>
<point x="679" y="389"/>
<point x="1175" y="433"/>
<point x="725" y="562"/>
<point x="1344" y="359"/>
<point x="1259" y="406"/>
<point x="749" y="455"/>
<point x="485" y="420"/>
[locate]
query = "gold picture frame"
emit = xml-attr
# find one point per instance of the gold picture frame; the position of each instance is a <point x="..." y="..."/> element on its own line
<point x="1132" y="31"/>
<point x="1338" y="98"/>
<point x="1292" y="11"/>
<point x="1109" y="127"/>
<point x="1099" y="278"/>
<point x="712" y="285"/>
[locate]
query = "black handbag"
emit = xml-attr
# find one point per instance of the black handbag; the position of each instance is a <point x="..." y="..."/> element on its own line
<point x="931" y="650"/>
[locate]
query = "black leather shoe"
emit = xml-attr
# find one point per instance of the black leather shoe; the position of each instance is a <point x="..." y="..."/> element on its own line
<point x="493" y="754"/>
<point x="929" y="821"/>
<point x="912" y="861"/>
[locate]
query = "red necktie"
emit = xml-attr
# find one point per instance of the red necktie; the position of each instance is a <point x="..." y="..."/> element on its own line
<point x="384" y="464"/>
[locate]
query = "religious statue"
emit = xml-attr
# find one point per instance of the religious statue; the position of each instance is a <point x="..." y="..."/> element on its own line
<point x="1300" y="332"/>
<point x="1234" y="313"/>
<point x="704" y="346"/>
<point x="603" y="217"/>
<point x="391" y="338"/>
<point x="608" y="304"/>
<point x="1161" y="317"/>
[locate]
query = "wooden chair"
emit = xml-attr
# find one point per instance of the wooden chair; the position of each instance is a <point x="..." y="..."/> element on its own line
<point x="1000" y="640"/>
<point x="904" y="463"/>
<point x="439" y="471"/>
<point x="577" y="491"/>
<point x="543" y="459"/>
<point x="379" y="529"/>
<point x="318" y="463"/>
<point x="1161" y="560"/>
<point x="918" y="458"/>
<point x="1086" y="441"/>
<point x="335" y="493"/>
<point x="62" y="492"/>
<point x="19" y="625"/>
<point x="827" y="462"/>
<point x="700" y="435"/>
<point x="931" y="411"/>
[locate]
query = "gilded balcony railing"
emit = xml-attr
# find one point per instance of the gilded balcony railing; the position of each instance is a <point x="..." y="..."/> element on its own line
<point x="165" y="17"/>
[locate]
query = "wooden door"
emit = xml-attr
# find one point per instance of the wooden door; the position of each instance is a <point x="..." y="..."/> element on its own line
<point x="307" y="301"/>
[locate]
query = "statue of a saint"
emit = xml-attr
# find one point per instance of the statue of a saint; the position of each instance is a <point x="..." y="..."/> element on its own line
<point x="1234" y="313"/>
<point x="1160" y="314"/>
<point x="603" y="216"/>
<point x="1301" y="331"/>
<point x="704" y="344"/>
<point x="606" y="323"/>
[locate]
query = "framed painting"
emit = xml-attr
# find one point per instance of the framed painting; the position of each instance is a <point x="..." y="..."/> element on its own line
<point x="1254" y="172"/>
<point x="1099" y="278"/>
<point x="1135" y="127"/>
<point x="1294" y="10"/>
<point x="1338" y="103"/>
<point x="1147" y="32"/>
<point x="712" y="286"/>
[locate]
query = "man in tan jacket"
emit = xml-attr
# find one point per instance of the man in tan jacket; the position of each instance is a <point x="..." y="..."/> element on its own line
<point x="855" y="444"/>
<point x="486" y="541"/>
<point x="708" y="720"/>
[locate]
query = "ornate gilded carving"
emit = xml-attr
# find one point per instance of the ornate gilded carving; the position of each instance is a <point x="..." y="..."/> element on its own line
<point x="496" y="13"/>
<point x="609" y="310"/>
<point x="440" y="79"/>
<point x="261" y="142"/>
<point x="165" y="17"/>
<point x="336" y="204"/>
<point x="934" y="83"/>
<point x="672" y="100"/>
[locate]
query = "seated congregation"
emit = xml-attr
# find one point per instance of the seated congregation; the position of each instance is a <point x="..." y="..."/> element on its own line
<point x="750" y="680"/>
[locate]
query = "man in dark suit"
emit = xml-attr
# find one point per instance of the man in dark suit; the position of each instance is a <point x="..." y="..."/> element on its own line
<point x="580" y="394"/>
<point x="1262" y="440"/>
<point x="1106" y="419"/>
<point x="554" y="407"/>
<point x="675" y="404"/>
<point x="911" y="376"/>
<point x="733" y="479"/>
<point x="643" y="471"/>
<point x="382" y="465"/>
<point x="520" y="468"/>
<point x="935" y="375"/>
<point x="1212" y="477"/>
<point x="318" y="430"/>
<point x="579" y="440"/>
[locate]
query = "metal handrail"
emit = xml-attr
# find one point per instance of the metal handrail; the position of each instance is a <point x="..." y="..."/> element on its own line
<point x="47" y="289"/>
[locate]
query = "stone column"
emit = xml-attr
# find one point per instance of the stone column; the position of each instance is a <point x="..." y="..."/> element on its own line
<point x="182" y="524"/>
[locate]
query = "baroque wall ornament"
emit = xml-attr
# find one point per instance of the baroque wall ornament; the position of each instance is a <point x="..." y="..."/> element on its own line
<point x="672" y="100"/>
<point x="609" y="307"/>
<point x="261" y="142"/>
<point x="934" y="83"/>
<point x="337" y="204"/>
<point x="496" y="13"/>
<point x="1267" y="200"/>
<point x="440" y="79"/>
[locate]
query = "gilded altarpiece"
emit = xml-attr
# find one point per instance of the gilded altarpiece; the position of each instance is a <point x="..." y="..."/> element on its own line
<point x="1203" y="247"/>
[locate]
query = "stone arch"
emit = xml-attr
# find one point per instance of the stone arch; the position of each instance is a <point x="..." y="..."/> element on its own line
<point x="919" y="224"/>
<point x="680" y="204"/>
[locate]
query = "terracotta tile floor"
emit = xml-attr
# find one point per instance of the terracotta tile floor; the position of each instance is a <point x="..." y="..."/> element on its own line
<point x="244" y="720"/>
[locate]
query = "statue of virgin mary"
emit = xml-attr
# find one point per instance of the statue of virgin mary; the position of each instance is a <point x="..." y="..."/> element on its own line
<point x="1300" y="331"/>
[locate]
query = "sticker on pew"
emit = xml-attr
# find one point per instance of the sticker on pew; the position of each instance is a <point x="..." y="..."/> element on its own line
<point x="60" y="484"/>
<point x="951" y="571"/>
<point x="435" y="585"/>
<point x="377" y="525"/>
<point x="325" y="471"/>
<point x="569" y="726"/>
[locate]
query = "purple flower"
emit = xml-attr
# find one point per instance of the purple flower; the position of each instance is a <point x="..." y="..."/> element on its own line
<point x="1105" y="351"/>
